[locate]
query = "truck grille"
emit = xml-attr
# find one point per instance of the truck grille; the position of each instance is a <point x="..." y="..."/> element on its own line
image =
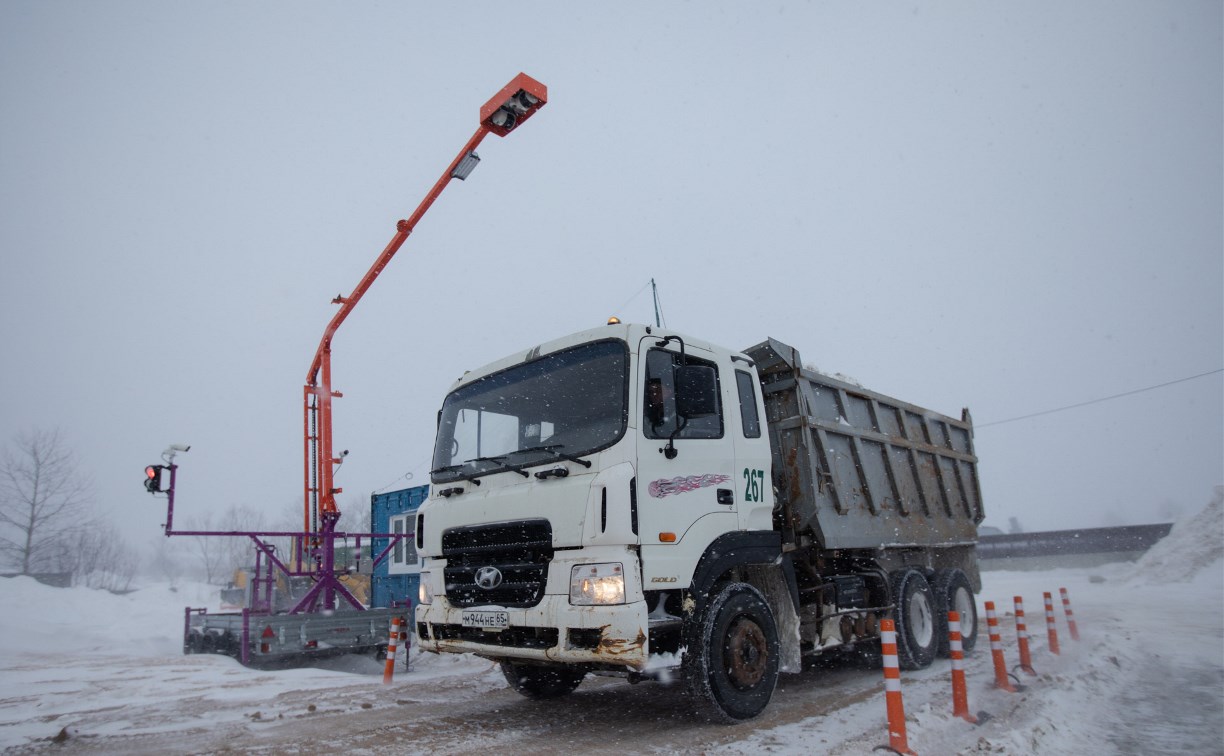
<point x="519" y="551"/>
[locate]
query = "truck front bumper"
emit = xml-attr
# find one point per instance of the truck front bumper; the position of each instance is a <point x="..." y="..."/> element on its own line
<point x="552" y="631"/>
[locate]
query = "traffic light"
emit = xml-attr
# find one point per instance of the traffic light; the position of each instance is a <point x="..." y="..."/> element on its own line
<point x="153" y="478"/>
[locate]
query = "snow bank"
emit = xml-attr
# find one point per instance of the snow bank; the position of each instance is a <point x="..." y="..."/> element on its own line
<point x="1194" y="545"/>
<point x="146" y="622"/>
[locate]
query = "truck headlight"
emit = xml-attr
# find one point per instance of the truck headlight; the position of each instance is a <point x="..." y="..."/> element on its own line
<point x="424" y="592"/>
<point x="597" y="584"/>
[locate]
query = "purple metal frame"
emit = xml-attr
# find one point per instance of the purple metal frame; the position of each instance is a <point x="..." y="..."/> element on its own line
<point x="315" y="548"/>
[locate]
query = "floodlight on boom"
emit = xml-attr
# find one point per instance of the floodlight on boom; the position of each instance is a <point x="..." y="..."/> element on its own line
<point x="515" y="103"/>
<point x="466" y="163"/>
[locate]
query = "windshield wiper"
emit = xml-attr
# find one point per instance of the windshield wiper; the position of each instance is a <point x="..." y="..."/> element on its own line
<point x="496" y="458"/>
<point x="475" y="476"/>
<point x="552" y="449"/>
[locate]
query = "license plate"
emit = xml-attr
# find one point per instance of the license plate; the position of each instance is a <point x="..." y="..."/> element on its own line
<point x="487" y="619"/>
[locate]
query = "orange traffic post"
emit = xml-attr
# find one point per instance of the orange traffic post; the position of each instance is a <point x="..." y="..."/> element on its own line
<point x="1066" y="599"/>
<point x="1051" y="630"/>
<point x="1026" y="660"/>
<point x="892" y="689"/>
<point x="996" y="650"/>
<point x="392" y="641"/>
<point x="960" y="696"/>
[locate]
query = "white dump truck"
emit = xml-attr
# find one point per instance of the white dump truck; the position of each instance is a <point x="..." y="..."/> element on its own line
<point x="631" y="500"/>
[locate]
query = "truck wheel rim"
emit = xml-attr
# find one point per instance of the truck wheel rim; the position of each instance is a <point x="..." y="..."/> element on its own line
<point x="745" y="653"/>
<point x="922" y="629"/>
<point x="963" y="602"/>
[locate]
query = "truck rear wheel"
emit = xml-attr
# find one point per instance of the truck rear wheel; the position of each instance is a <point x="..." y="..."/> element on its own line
<point x="731" y="667"/>
<point x="915" y="618"/>
<point x="540" y="682"/>
<point x="953" y="593"/>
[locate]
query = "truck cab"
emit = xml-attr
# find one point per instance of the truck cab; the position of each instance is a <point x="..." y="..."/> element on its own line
<point x="576" y="488"/>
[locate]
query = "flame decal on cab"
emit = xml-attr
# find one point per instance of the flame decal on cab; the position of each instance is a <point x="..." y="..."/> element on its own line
<point x="685" y="483"/>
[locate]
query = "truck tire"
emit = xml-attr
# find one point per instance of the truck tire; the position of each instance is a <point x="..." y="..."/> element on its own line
<point x="915" y="618"/>
<point x="539" y="682"/>
<point x="731" y="667"/>
<point x="954" y="593"/>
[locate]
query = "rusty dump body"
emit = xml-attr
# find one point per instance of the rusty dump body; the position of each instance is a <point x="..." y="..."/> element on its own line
<point x="854" y="469"/>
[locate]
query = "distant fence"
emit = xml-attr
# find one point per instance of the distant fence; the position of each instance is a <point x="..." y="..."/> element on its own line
<point x="1069" y="548"/>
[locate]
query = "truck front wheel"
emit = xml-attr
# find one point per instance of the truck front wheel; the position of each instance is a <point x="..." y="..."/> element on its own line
<point x="915" y="617"/>
<point x="731" y="667"/>
<point x="540" y="682"/>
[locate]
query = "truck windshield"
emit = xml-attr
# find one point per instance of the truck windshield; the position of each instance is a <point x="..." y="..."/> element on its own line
<point x="572" y="402"/>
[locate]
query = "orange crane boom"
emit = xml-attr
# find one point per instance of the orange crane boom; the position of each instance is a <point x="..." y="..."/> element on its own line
<point x="503" y="113"/>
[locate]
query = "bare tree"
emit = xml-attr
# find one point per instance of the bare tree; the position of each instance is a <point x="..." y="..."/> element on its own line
<point x="239" y="553"/>
<point x="218" y="556"/>
<point x="42" y="498"/>
<point x="357" y="514"/>
<point x="209" y="550"/>
<point x="165" y="560"/>
<point x="99" y="557"/>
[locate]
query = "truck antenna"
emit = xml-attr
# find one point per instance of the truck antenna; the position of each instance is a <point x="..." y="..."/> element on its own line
<point x="654" y="290"/>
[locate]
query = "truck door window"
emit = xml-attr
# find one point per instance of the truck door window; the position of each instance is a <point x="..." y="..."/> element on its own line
<point x="748" y="405"/>
<point x="659" y="400"/>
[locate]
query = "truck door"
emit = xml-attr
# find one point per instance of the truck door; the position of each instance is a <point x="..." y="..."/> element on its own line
<point x="687" y="500"/>
<point x="754" y="486"/>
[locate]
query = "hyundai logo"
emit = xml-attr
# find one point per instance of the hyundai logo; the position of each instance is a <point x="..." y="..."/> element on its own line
<point x="488" y="578"/>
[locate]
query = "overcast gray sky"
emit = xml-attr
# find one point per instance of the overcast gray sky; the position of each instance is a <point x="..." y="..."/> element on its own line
<point x="1007" y="206"/>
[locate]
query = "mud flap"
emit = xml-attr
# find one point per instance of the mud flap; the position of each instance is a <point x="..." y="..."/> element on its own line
<point x="771" y="582"/>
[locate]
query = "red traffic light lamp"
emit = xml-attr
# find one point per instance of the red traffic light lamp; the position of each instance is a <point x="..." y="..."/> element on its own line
<point x="153" y="478"/>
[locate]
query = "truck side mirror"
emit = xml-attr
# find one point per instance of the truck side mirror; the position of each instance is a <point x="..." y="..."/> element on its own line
<point x="696" y="391"/>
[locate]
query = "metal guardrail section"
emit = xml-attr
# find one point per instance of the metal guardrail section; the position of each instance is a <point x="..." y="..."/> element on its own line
<point x="1084" y="541"/>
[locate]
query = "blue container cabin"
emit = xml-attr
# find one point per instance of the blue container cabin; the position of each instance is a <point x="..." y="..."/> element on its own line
<point x="396" y="578"/>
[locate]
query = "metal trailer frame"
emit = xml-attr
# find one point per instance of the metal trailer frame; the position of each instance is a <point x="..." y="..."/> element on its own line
<point x="318" y="609"/>
<point x="287" y="636"/>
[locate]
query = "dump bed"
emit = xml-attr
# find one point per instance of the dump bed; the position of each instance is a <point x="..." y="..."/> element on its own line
<point x="855" y="469"/>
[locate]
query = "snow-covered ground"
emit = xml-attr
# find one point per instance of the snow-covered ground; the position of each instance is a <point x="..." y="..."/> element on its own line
<point x="105" y="673"/>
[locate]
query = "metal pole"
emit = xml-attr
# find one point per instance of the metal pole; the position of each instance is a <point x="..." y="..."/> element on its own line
<point x="170" y="500"/>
